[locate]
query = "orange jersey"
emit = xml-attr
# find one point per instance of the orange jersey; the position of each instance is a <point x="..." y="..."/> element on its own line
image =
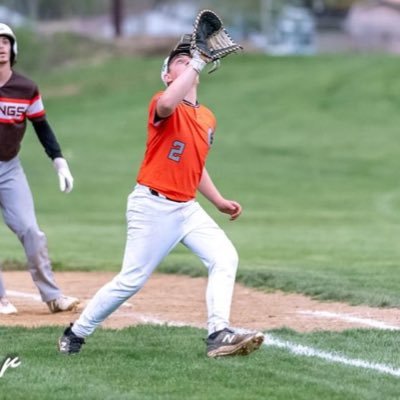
<point x="176" y="149"/>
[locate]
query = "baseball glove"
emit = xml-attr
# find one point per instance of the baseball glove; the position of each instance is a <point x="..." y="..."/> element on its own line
<point x="210" y="39"/>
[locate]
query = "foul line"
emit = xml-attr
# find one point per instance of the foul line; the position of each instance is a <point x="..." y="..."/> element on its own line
<point x="301" y="350"/>
<point x="24" y="295"/>
<point x="350" y="318"/>
<point x="15" y="293"/>
<point x="152" y="320"/>
<point x="293" y="348"/>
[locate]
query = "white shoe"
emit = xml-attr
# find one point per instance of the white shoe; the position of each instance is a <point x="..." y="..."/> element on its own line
<point x="63" y="303"/>
<point x="6" y="307"/>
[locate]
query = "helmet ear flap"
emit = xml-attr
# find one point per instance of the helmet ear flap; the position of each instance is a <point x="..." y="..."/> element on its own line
<point x="14" y="52"/>
<point x="164" y="71"/>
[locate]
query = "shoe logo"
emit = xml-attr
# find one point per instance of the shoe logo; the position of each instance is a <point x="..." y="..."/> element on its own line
<point x="63" y="346"/>
<point x="228" y="338"/>
<point x="9" y="362"/>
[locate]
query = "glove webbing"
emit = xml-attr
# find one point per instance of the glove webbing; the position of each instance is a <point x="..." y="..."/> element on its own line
<point x="222" y="44"/>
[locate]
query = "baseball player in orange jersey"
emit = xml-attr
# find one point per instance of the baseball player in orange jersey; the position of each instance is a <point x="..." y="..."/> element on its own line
<point x="162" y="212"/>
<point x="20" y="100"/>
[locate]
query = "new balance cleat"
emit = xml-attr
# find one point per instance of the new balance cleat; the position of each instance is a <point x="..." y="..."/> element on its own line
<point x="69" y="343"/>
<point x="228" y="343"/>
<point x="63" y="303"/>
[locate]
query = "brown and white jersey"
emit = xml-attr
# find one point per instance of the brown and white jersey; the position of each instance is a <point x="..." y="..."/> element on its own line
<point x="19" y="100"/>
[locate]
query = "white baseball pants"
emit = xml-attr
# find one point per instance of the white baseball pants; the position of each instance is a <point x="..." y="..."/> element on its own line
<point x="155" y="226"/>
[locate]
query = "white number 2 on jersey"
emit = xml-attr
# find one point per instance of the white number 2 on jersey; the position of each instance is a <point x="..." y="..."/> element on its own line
<point x="176" y="151"/>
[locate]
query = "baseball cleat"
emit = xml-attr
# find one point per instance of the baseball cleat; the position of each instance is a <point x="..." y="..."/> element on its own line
<point x="69" y="343"/>
<point x="63" y="303"/>
<point x="6" y="307"/>
<point x="229" y="343"/>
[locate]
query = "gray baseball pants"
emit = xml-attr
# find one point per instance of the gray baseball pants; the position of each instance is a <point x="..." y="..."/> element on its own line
<point x="18" y="211"/>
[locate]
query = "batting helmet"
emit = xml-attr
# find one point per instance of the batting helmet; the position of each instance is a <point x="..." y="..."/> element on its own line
<point x="5" y="30"/>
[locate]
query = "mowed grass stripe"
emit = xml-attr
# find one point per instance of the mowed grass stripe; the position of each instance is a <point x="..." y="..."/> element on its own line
<point x="306" y="145"/>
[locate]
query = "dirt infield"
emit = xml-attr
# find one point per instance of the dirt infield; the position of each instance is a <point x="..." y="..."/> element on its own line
<point x="179" y="300"/>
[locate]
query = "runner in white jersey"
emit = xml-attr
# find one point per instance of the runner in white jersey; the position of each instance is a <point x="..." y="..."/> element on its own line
<point x="20" y="100"/>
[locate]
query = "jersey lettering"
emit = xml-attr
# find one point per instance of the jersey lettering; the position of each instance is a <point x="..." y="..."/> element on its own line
<point x="12" y="111"/>
<point x="176" y="151"/>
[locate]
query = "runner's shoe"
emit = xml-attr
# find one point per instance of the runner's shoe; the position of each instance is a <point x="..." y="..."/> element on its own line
<point x="228" y="343"/>
<point x="63" y="303"/>
<point x="6" y="307"/>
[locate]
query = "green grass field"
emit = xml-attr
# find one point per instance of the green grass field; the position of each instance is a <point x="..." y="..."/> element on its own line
<point x="150" y="362"/>
<point x="308" y="146"/>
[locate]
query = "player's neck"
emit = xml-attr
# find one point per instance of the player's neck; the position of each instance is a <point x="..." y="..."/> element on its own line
<point x="191" y="96"/>
<point x="5" y="73"/>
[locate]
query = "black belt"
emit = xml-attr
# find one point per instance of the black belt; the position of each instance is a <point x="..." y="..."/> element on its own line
<point x="155" y="193"/>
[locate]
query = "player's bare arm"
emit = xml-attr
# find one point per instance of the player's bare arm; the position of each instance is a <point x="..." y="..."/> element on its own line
<point x="211" y="193"/>
<point x="182" y="80"/>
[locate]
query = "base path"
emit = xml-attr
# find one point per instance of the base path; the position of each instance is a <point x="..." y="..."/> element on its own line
<point x="180" y="300"/>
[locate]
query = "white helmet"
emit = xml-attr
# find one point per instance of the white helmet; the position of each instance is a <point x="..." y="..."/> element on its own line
<point x="5" y="30"/>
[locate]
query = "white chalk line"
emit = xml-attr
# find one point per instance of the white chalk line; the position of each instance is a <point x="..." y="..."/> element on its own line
<point x="294" y="348"/>
<point x="15" y="293"/>
<point x="306" y="351"/>
<point x="351" y="318"/>
<point x="150" y="319"/>
<point x="273" y="341"/>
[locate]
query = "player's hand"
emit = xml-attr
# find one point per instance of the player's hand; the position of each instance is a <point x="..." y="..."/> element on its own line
<point x="64" y="174"/>
<point x="198" y="62"/>
<point x="231" y="207"/>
